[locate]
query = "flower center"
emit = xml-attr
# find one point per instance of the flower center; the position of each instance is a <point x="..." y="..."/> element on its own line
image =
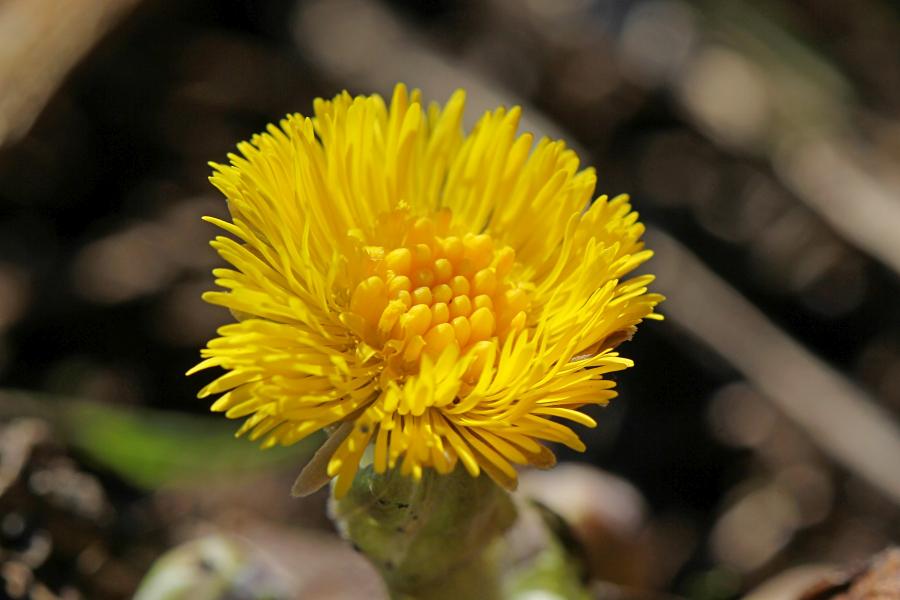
<point x="437" y="290"/>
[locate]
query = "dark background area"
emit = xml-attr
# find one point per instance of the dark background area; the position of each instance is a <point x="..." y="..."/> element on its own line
<point x="760" y="142"/>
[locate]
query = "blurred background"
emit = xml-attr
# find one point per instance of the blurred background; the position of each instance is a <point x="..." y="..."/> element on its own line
<point x="760" y="141"/>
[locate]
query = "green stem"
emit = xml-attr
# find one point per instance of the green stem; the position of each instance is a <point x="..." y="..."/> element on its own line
<point x="430" y="539"/>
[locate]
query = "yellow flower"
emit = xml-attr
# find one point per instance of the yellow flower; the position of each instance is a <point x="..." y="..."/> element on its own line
<point x="450" y="296"/>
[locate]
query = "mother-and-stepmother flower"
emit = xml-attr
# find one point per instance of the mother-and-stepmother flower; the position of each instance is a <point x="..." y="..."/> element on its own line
<point x="443" y="297"/>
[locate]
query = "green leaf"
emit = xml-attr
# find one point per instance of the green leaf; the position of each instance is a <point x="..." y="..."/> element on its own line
<point x="151" y="448"/>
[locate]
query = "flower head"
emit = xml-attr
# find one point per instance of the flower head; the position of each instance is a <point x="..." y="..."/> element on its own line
<point x="453" y="297"/>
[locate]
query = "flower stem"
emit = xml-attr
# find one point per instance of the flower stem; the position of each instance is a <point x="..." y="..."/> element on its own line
<point x="430" y="539"/>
